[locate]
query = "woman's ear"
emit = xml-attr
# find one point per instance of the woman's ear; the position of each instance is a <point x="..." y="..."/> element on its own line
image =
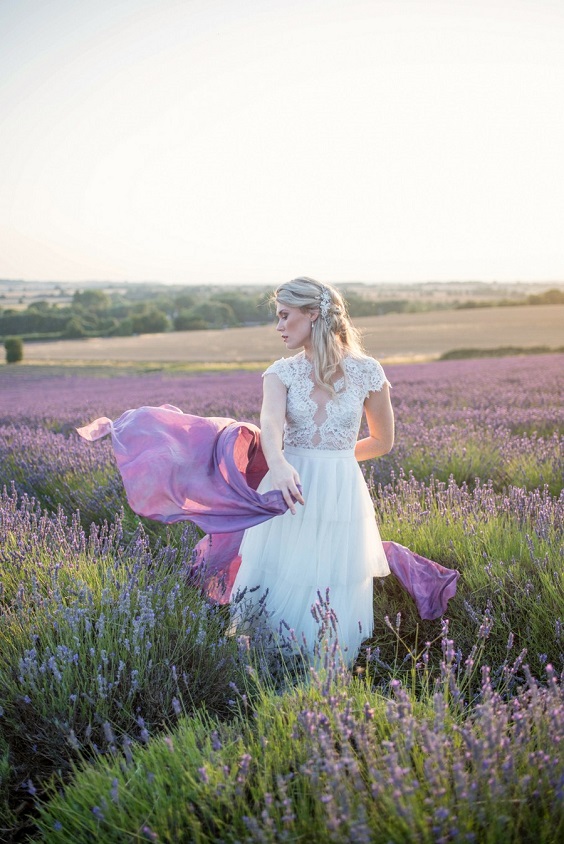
<point x="313" y="315"/>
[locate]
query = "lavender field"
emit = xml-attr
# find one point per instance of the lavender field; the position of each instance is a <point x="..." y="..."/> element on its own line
<point x="129" y="710"/>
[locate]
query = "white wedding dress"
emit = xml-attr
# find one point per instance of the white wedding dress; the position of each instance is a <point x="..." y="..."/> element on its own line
<point x="332" y="542"/>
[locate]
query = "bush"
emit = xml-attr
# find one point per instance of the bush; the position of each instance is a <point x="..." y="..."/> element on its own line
<point x="102" y="642"/>
<point x="186" y="321"/>
<point x="74" y="329"/>
<point x="14" y="349"/>
<point x="149" y="320"/>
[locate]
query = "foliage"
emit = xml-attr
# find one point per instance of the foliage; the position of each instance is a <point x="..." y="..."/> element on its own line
<point x="92" y="300"/>
<point x="212" y="314"/>
<point x="101" y="640"/>
<point x="498" y="352"/>
<point x="14" y="349"/>
<point x="332" y="761"/>
<point x="554" y="296"/>
<point x="150" y="308"/>
<point x="159" y="721"/>
<point x="148" y="319"/>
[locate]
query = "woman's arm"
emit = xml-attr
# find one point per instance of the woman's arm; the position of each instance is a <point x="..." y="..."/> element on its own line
<point x="284" y="477"/>
<point x="380" y="418"/>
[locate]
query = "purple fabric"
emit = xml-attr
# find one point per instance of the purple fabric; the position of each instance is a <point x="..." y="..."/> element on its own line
<point x="178" y="467"/>
<point x="430" y="585"/>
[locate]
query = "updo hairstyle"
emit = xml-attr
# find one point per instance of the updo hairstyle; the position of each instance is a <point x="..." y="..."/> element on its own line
<point x="333" y="334"/>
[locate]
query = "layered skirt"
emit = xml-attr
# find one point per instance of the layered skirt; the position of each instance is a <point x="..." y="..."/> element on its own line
<point x="330" y="548"/>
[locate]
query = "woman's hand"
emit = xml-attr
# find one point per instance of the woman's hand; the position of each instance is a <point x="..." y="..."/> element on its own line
<point x="285" y="478"/>
<point x="283" y="475"/>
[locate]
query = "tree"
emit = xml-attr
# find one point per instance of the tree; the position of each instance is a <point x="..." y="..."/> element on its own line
<point x="184" y="301"/>
<point x="92" y="300"/>
<point x="74" y="329"/>
<point x="14" y="349"/>
<point x="186" y="321"/>
<point x="215" y="314"/>
<point x="149" y="320"/>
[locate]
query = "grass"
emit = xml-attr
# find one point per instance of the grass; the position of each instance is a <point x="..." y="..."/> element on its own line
<point x="499" y="352"/>
<point x="101" y="641"/>
<point x="509" y="547"/>
<point x="132" y="710"/>
<point x="333" y="761"/>
<point x="104" y="646"/>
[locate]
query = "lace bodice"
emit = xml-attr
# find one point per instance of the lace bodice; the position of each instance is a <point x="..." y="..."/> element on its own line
<point x="314" y="418"/>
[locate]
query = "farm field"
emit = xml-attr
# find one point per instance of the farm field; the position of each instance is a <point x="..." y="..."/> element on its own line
<point x="399" y="337"/>
<point x="130" y="710"/>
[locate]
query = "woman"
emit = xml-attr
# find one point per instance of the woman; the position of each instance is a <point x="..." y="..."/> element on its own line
<point x="310" y="525"/>
<point x="311" y="412"/>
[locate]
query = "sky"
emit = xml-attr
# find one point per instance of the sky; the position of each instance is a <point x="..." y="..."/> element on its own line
<point x="252" y="141"/>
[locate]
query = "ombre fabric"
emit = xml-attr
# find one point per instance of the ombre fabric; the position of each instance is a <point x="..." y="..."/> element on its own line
<point x="177" y="467"/>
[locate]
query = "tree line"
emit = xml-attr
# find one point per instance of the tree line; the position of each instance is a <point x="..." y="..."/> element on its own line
<point x="143" y="309"/>
<point x="146" y="310"/>
<point x="97" y="313"/>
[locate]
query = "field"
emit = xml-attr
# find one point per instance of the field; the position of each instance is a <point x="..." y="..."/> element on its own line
<point x="395" y="337"/>
<point x="131" y="710"/>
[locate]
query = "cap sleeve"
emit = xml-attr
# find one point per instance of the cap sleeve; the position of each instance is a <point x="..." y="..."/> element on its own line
<point x="281" y="368"/>
<point x="375" y="377"/>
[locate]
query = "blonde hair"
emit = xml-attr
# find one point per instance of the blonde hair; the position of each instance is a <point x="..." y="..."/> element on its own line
<point x="333" y="334"/>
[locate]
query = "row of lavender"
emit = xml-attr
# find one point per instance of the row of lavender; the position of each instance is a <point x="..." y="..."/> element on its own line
<point x="494" y="420"/>
<point x="442" y="734"/>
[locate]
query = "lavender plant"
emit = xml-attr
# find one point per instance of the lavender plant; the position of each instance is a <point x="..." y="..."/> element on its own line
<point x="509" y="548"/>
<point x="332" y="761"/>
<point x="102" y="642"/>
<point x="441" y="733"/>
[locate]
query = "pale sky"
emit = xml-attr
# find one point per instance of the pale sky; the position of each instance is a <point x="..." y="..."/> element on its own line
<point x="251" y="141"/>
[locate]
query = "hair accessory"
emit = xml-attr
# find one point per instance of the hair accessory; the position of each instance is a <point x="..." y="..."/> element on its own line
<point x="325" y="305"/>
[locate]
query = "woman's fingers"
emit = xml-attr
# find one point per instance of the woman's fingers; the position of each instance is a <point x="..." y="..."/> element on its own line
<point x="292" y="494"/>
<point x="298" y="492"/>
<point x="295" y="495"/>
<point x="289" y="486"/>
<point x="290" y="497"/>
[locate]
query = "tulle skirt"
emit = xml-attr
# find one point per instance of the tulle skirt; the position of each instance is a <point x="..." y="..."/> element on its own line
<point x="331" y="543"/>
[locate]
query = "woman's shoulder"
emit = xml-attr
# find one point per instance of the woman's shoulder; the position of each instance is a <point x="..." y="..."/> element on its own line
<point x="285" y="368"/>
<point x="367" y="372"/>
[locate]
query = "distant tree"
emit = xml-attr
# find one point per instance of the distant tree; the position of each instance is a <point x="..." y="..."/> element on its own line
<point x="74" y="329"/>
<point x="215" y="314"/>
<point x="243" y="306"/>
<point x="124" y="328"/>
<point x="247" y="307"/>
<point x="186" y="321"/>
<point x="92" y="300"/>
<point x="165" y="304"/>
<point x="18" y="323"/>
<point x="14" y="349"/>
<point x="149" y="320"/>
<point x="184" y="301"/>
<point x="549" y="297"/>
<point x="41" y="307"/>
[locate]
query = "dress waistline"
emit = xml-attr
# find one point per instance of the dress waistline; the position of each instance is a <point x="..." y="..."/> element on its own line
<point x="334" y="453"/>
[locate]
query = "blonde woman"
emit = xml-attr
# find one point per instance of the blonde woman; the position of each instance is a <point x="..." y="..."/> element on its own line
<point x="313" y="403"/>
<point x="310" y="525"/>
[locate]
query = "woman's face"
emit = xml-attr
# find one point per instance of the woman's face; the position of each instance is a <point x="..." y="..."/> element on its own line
<point x="295" y="326"/>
